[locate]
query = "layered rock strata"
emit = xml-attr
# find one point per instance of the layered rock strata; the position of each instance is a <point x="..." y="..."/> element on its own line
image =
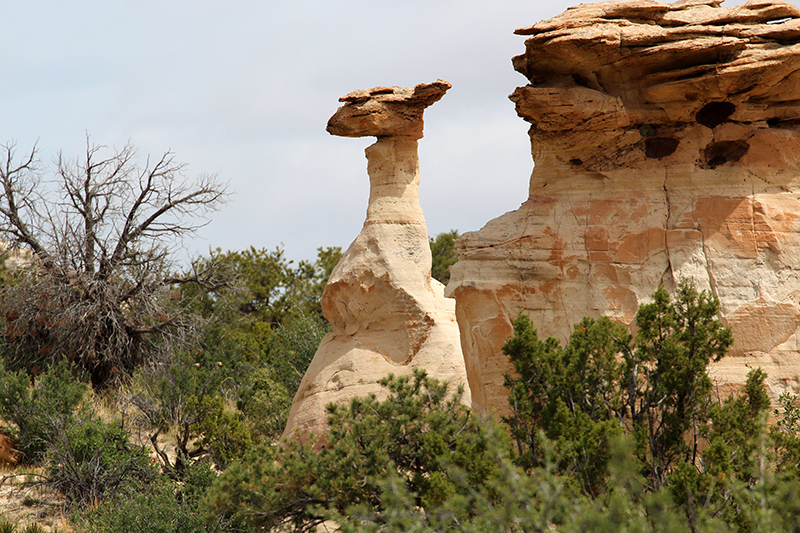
<point x="387" y="314"/>
<point x="666" y="142"/>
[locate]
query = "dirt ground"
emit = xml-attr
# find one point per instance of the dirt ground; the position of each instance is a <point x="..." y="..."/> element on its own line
<point x="24" y="505"/>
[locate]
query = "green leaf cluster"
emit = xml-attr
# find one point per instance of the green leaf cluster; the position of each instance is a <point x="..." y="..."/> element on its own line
<point x="443" y="255"/>
<point x="90" y="460"/>
<point x="264" y="329"/>
<point x="786" y="435"/>
<point x="268" y="287"/>
<point x="158" y="508"/>
<point x="218" y="430"/>
<point x="567" y="398"/>
<point x="37" y="407"/>
<point x="185" y="399"/>
<point x="421" y="438"/>
<point x="653" y="386"/>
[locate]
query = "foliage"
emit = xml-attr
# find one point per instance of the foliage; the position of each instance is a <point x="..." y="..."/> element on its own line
<point x="736" y="431"/>
<point x="666" y="373"/>
<point x="265" y="403"/>
<point x="293" y="347"/>
<point x="219" y="431"/>
<point x="89" y="460"/>
<point x="185" y="397"/>
<point x="265" y="328"/>
<point x="510" y="500"/>
<point x="600" y="384"/>
<point x="382" y="469"/>
<point x="271" y="288"/>
<point x="267" y="398"/>
<point x="566" y="397"/>
<point x="100" y="288"/>
<point x="160" y="508"/>
<point x="733" y="464"/>
<point x="7" y="526"/>
<point x="418" y="437"/>
<point x="786" y="435"/>
<point x="37" y="410"/>
<point x="443" y="255"/>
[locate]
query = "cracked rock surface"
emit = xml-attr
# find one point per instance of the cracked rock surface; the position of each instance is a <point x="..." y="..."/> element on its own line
<point x="666" y="142"/>
<point x="386" y="312"/>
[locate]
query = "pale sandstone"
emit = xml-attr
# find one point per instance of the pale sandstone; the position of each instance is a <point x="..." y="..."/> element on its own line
<point x="13" y="258"/>
<point x="666" y="141"/>
<point x="387" y="314"/>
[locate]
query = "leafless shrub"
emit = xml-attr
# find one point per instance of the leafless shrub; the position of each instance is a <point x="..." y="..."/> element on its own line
<point x="101" y="290"/>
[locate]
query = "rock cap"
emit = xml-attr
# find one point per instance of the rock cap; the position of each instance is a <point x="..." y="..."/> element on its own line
<point x="386" y="111"/>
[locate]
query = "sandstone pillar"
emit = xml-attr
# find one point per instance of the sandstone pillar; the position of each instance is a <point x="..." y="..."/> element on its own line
<point x="387" y="314"/>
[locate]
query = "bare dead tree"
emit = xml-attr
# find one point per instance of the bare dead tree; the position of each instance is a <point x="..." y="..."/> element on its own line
<point x="101" y="289"/>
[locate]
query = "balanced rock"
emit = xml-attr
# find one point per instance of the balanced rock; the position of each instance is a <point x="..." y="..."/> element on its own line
<point x="386" y="312"/>
<point x="666" y="142"/>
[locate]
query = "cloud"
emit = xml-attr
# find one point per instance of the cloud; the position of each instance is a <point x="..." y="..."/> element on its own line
<point x="244" y="89"/>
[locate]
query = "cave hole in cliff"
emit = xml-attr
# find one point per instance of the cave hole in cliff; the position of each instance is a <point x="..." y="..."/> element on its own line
<point x="714" y="113"/>
<point x="722" y="152"/>
<point x="575" y="162"/>
<point x="580" y="80"/>
<point x="774" y="122"/>
<point x="658" y="147"/>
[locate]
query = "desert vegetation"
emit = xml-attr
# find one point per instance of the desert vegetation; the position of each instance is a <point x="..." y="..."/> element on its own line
<point x="611" y="432"/>
<point x="145" y="396"/>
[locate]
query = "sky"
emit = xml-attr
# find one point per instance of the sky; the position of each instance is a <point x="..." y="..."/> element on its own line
<point x="244" y="89"/>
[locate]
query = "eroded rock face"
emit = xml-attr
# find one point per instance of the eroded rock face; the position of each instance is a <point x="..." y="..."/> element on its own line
<point x="387" y="314"/>
<point x="666" y="141"/>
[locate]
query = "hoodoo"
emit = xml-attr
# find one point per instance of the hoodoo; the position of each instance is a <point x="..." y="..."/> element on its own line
<point x="386" y="312"/>
<point x="666" y="142"/>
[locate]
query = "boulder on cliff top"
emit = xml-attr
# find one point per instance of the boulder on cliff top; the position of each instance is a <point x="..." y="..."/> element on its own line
<point x="616" y="67"/>
<point x="386" y="111"/>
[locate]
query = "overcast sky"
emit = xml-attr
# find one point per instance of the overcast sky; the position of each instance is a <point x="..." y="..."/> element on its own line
<point x="244" y="89"/>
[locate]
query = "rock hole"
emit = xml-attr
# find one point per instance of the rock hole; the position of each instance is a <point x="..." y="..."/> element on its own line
<point x="647" y="130"/>
<point x="717" y="154"/>
<point x="714" y="113"/>
<point x="658" y="147"/>
<point x="779" y="21"/>
<point x="773" y="122"/>
<point x="575" y="162"/>
<point x="580" y="80"/>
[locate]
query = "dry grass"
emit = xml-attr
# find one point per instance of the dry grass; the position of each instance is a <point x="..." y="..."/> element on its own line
<point x="26" y="505"/>
<point x="23" y="504"/>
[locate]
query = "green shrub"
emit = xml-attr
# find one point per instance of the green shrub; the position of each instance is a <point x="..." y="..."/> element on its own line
<point x="267" y="398"/>
<point x="421" y="437"/>
<point x="219" y="431"/>
<point x="293" y="347"/>
<point x="786" y="435"/>
<point x="653" y="386"/>
<point x="89" y="460"/>
<point x="184" y="396"/>
<point x="443" y="255"/>
<point x="265" y="404"/>
<point x="37" y="411"/>
<point x="162" y="507"/>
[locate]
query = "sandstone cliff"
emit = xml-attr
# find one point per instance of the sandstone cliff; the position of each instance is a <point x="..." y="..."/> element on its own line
<point x="666" y="142"/>
<point x="388" y="315"/>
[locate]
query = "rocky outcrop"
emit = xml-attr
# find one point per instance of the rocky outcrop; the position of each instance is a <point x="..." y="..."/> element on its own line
<point x="666" y="142"/>
<point x="387" y="314"/>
